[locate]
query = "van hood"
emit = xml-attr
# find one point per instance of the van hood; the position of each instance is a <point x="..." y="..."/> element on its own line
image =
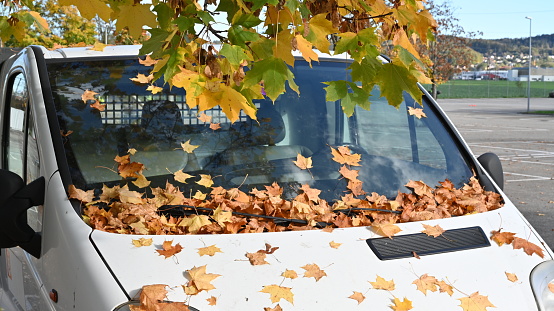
<point x="337" y="270"/>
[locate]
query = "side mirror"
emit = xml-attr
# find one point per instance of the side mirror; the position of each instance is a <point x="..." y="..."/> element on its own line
<point x="491" y="163"/>
<point x="15" y="199"/>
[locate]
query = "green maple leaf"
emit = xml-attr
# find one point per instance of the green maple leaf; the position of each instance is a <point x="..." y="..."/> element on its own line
<point x="358" y="44"/>
<point x="274" y="72"/>
<point x="396" y="78"/>
<point x="246" y="20"/>
<point x="366" y="71"/>
<point x="258" y="4"/>
<point x="348" y="93"/>
<point x="234" y="54"/>
<point x="238" y="35"/>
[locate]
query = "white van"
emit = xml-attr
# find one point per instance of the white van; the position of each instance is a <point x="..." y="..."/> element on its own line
<point x="249" y="186"/>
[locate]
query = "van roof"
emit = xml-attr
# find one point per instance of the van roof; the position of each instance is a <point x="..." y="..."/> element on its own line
<point x="126" y="50"/>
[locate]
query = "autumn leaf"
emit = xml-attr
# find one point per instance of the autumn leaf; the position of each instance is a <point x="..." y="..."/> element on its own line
<point x="277" y="293"/>
<point x="187" y="147"/>
<point x="209" y="250"/>
<point x="551" y="287"/>
<point x="420" y="188"/>
<point x="313" y="271"/>
<point x="88" y="95"/>
<point x="403" y="305"/>
<point x="212" y="301"/>
<point x="205" y="180"/>
<point x="433" y="231"/>
<point x="445" y="288"/>
<point x="142" y="242"/>
<point x="511" y="277"/>
<point x="215" y="126"/>
<point x="528" y="247"/>
<point x="502" y="237"/>
<point x="343" y="155"/>
<point x="475" y="302"/>
<point x="200" y="280"/>
<point x="416" y="112"/>
<point x="141" y="181"/>
<point x="381" y="283"/>
<point x="386" y="229"/>
<point x="181" y="176"/>
<point x="205" y="118"/>
<point x="169" y="249"/>
<point x="289" y="274"/>
<point x="334" y="244"/>
<point x="154" y="89"/>
<point x="257" y="258"/>
<point x="134" y="16"/>
<point x="302" y="162"/>
<point x="194" y="223"/>
<point x="359" y="297"/>
<point x="277" y="308"/>
<point x="78" y="194"/>
<point x="148" y="61"/>
<point x="425" y="283"/>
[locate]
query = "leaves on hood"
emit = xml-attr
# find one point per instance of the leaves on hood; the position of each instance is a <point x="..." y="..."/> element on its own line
<point x="475" y="302"/>
<point x="511" y="277"/>
<point x="359" y="297"/>
<point x="169" y="250"/>
<point x="313" y="271"/>
<point x="142" y="242"/>
<point x="381" y="283"/>
<point x="398" y="305"/>
<point x="425" y="283"/>
<point x="433" y="231"/>
<point x="199" y="280"/>
<point x="277" y="293"/>
<point x="209" y="250"/>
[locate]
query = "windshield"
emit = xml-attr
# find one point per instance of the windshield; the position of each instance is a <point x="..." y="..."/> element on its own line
<point x="395" y="147"/>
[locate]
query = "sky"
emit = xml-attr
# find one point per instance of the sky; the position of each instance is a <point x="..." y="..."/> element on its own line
<point x="504" y="18"/>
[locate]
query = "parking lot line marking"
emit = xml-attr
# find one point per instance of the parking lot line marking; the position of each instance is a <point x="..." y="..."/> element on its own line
<point x="532" y="177"/>
<point x="514" y="149"/>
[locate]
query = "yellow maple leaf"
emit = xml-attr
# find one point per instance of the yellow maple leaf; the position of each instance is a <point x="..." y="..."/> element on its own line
<point x="403" y="305"/>
<point x="359" y="297"/>
<point x="212" y="301"/>
<point x="306" y="48"/>
<point x="148" y="61"/>
<point x="475" y="302"/>
<point x="201" y="280"/>
<point x="194" y="223"/>
<point x="425" y="283"/>
<point x="222" y="216"/>
<point x="187" y="147"/>
<point x="154" y="89"/>
<point x="181" y="176"/>
<point x="381" y="283"/>
<point x="283" y="46"/>
<point x="277" y="293"/>
<point x="417" y="112"/>
<point x="98" y="46"/>
<point x="90" y="8"/>
<point x="334" y="244"/>
<point x="289" y="274"/>
<point x="433" y="231"/>
<point x="209" y="250"/>
<point x="142" y="79"/>
<point x="511" y="277"/>
<point x="302" y="162"/>
<point x="205" y="180"/>
<point x="386" y="229"/>
<point x="199" y="195"/>
<point x="230" y="100"/>
<point x="142" y="242"/>
<point x="134" y="15"/>
<point x="141" y="181"/>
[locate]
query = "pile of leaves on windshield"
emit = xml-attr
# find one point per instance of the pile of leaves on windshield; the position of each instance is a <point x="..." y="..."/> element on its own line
<point x="226" y="211"/>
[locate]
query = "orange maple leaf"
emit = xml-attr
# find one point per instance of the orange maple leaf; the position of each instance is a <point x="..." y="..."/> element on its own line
<point x="169" y="249"/>
<point x="148" y="61"/>
<point x="475" y="302"/>
<point x="403" y="305"/>
<point x="528" y="247"/>
<point x="381" y="283"/>
<point x="277" y="293"/>
<point x="348" y="173"/>
<point x="289" y="274"/>
<point x="88" y="95"/>
<point x="445" y="288"/>
<point x="511" y="277"/>
<point x="343" y="155"/>
<point x="78" y="194"/>
<point x="502" y="237"/>
<point x="215" y="126"/>
<point x="277" y="308"/>
<point x="313" y="271"/>
<point x="420" y="188"/>
<point x="359" y="297"/>
<point x="212" y="301"/>
<point x="334" y="244"/>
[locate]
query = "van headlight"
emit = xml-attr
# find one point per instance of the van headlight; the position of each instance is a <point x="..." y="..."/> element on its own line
<point x="541" y="276"/>
<point x="125" y="306"/>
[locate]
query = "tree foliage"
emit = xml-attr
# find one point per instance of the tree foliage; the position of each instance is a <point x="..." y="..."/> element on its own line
<point x="262" y="35"/>
<point x="450" y="52"/>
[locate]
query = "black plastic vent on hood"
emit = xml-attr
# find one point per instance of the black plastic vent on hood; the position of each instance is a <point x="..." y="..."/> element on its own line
<point x="420" y="244"/>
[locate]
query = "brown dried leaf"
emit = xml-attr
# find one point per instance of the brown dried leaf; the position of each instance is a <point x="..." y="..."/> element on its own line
<point x="302" y="162"/>
<point x="425" y="283"/>
<point x="511" y="277"/>
<point x="78" y="194"/>
<point x="343" y="155"/>
<point x="257" y="258"/>
<point x="433" y="231"/>
<point x="528" y="247"/>
<point x="386" y="229"/>
<point x="209" y="250"/>
<point x="289" y="274"/>
<point x="205" y="118"/>
<point x="199" y="279"/>
<point x="334" y="244"/>
<point x="502" y="237"/>
<point x="212" y="301"/>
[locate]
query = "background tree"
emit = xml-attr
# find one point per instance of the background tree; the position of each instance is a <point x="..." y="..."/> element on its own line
<point x="262" y="34"/>
<point x="450" y="52"/>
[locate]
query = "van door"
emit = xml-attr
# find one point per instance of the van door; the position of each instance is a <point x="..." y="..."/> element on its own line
<point x="20" y="284"/>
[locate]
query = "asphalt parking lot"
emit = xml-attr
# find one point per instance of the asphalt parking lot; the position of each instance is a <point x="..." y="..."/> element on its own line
<point x="525" y="144"/>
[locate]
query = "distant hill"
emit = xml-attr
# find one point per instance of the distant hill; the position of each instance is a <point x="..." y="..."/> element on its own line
<point x="542" y="45"/>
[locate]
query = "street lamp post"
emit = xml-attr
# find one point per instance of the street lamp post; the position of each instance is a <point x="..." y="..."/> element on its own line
<point x="529" y="76"/>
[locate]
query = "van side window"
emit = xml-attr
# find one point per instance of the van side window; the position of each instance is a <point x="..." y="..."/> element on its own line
<point x="14" y="151"/>
<point x="33" y="160"/>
